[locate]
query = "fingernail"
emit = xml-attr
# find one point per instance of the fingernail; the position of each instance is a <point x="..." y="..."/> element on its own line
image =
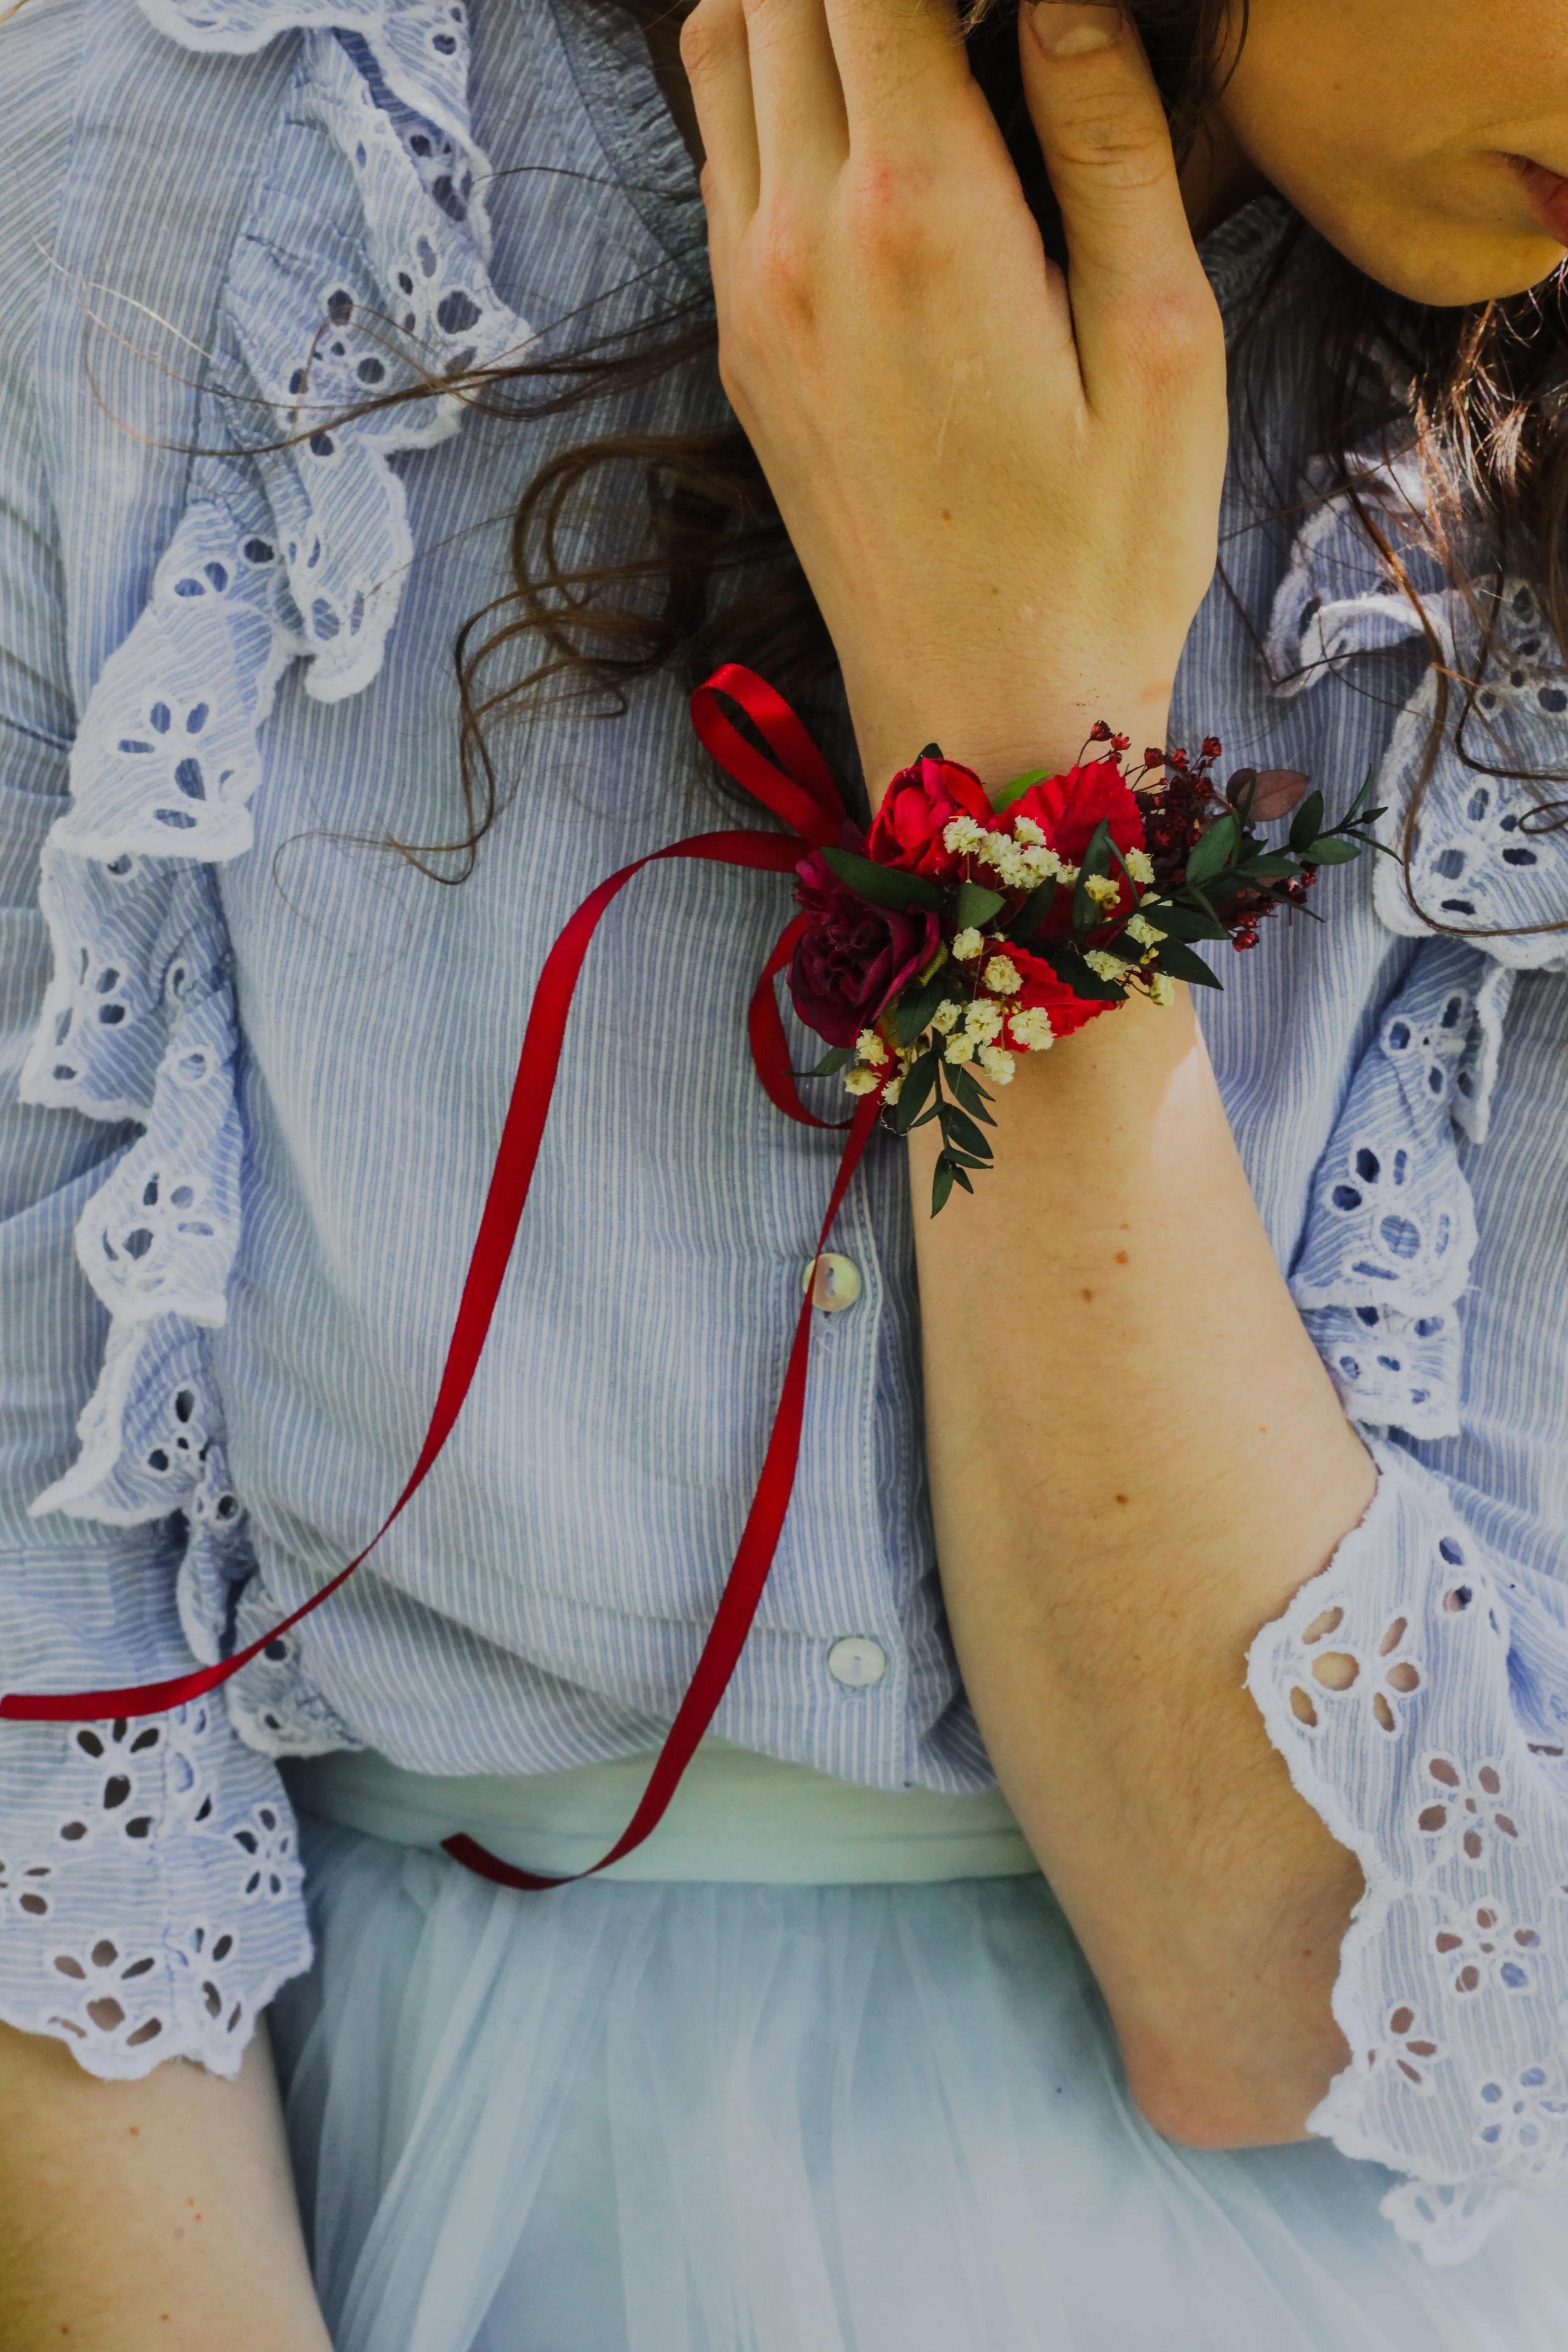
<point x="1069" y="28"/>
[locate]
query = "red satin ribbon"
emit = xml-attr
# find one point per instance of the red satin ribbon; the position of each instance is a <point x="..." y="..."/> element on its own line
<point x="795" y="785"/>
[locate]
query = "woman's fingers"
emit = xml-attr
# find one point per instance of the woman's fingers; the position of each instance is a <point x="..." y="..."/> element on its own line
<point x="796" y="96"/>
<point x="1133" y="272"/>
<point x="901" y="63"/>
<point x="714" y="52"/>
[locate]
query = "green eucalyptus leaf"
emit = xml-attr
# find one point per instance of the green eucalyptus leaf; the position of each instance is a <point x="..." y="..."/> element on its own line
<point x="1270" y="868"/>
<point x="1032" y="913"/>
<point x="1017" y="788"/>
<point x="833" y="1061"/>
<point x="1069" y="966"/>
<point x="973" y="906"/>
<point x="968" y="1091"/>
<point x="919" y="1080"/>
<point x="1180" y="923"/>
<point x="1306" y="822"/>
<point x="958" y="1127"/>
<point x="1214" y="850"/>
<point x="1183" y="964"/>
<point x="915" y="1007"/>
<point x="883" y="885"/>
<point x="1330" y="850"/>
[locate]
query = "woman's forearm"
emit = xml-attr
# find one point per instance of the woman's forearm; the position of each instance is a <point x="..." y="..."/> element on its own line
<point x="156" y="2215"/>
<point x="1136" y="1459"/>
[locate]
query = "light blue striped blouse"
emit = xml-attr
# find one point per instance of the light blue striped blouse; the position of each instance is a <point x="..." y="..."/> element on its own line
<point x="255" y="1065"/>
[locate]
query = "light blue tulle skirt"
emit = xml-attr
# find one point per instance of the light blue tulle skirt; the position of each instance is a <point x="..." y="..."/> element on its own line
<point x="690" y="2117"/>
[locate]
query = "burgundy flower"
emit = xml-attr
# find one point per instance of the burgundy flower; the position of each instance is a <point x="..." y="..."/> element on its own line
<point x="853" y="957"/>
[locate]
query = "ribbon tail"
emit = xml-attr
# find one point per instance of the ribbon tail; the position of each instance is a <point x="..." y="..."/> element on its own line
<point x="770" y="1048"/>
<point x="742" y="1589"/>
<point x="527" y="1110"/>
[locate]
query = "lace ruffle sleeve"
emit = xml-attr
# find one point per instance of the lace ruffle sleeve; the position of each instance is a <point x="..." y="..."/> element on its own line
<point x="149" y="1894"/>
<point x="1418" y="1687"/>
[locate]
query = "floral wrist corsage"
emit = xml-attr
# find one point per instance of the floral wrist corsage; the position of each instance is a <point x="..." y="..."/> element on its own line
<point x="961" y="932"/>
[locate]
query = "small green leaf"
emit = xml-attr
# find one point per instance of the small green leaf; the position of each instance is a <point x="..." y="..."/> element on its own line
<point x="1017" y="789"/>
<point x="968" y="1091"/>
<point x="958" y="1129"/>
<point x="974" y="905"/>
<point x="1183" y="964"/>
<point x="915" y="1007"/>
<point x="1305" y="824"/>
<point x="1087" y="914"/>
<point x="1214" y="850"/>
<point x="1180" y="923"/>
<point x="1032" y="913"/>
<point x="832" y="1061"/>
<point x="1271" y="867"/>
<point x="957" y="1167"/>
<point x="942" y="1184"/>
<point x="1330" y="850"/>
<point x="883" y="885"/>
<point x="961" y="1159"/>
<point x="1070" y="967"/>
<point x="919" y="1080"/>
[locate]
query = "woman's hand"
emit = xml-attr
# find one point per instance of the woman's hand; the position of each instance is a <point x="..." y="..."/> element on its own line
<point x="1004" y="485"/>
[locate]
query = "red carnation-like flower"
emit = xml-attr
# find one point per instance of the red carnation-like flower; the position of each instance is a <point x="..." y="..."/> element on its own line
<point x="1067" y="809"/>
<point x="853" y="958"/>
<point x="919" y="805"/>
<point x="1042" y="988"/>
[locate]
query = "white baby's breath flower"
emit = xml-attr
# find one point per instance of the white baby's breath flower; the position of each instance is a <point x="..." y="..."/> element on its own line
<point x="959" y="1049"/>
<point x="1042" y="864"/>
<point x="1161" y="988"/>
<point x="893" y="1089"/>
<point x="869" y="1047"/>
<point x="1140" y="868"/>
<point x="982" y="1021"/>
<point x="1142" y="931"/>
<point x="946" y="1017"/>
<point x="1103" y="888"/>
<point x="1025" y="830"/>
<point x="1105" y="965"/>
<point x="1000" y="976"/>
<point x="1032" y="1030"/>
<point x="860" y="1080"/>
<point x="968" y="944"/>
<point x="962" y="836"/>
<point x="997" y="1064"/>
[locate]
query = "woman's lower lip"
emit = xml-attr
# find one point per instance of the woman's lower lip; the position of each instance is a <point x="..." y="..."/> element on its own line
<point x="1548" y="194"/>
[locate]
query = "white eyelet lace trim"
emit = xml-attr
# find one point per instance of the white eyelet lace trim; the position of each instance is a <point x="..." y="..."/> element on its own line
<point x="1386" y="1685"/>
<point x="1487" y="862"/>
<point x="1391" y="1228"/>
<point x="175" y="1800"/>
<point x="282" y="552"/>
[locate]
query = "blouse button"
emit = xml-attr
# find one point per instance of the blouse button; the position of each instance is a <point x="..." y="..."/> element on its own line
<point x="837" y="1283"/>
<point x="856" y="1661"/>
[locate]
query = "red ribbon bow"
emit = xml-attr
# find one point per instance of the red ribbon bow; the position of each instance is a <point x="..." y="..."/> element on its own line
<point x="794" y="784"/>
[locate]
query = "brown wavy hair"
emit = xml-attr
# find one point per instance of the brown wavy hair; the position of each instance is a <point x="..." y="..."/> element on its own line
<point x="698" y="568"/>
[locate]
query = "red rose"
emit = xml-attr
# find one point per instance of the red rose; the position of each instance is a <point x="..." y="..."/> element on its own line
<point x="853" y="958"/>
<point x="917" y="808"/>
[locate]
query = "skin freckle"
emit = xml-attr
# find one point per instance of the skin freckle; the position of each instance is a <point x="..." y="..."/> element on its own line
<point x="1121" y="1499"/>
<point x="1088" y="1296"/>
<point x="1122" y="1257"/>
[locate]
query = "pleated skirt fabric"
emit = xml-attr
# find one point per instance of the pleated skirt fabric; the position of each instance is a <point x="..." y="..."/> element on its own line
<point x="699" y="2118"/>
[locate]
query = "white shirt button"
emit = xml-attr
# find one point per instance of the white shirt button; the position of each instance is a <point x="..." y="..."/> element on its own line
<point x="856" y="1661"/>
<point x="837" y="1283"/>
